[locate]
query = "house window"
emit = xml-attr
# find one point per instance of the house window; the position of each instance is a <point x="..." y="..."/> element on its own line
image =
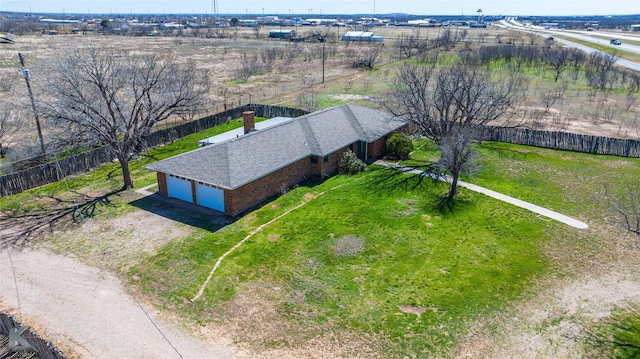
<point x="325" y="159"/>
<point x="314" y="159"/>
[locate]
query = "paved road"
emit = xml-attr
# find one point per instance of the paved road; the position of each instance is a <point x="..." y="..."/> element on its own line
<point x="545" y="33"/>
<point x="516" y="202"/>
<point x="83" y="308"/>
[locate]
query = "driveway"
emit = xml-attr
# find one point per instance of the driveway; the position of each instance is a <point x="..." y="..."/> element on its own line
<point x="88" y="313"/>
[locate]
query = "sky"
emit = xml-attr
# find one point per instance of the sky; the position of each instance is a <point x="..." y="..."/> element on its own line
<point x="307" y="7"/>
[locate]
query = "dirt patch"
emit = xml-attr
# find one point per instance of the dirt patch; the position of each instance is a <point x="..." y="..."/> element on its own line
<point x="413" y="310"/>
<point x="309" y="196"/>
<point x="349" y="97"/>
<point x="258" y="319"/>
<point x="119" y="242"/>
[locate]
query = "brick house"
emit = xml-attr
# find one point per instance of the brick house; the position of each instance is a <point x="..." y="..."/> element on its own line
<point x="236" y="174"/>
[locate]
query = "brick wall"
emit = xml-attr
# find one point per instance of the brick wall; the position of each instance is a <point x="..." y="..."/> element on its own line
<point x="239" y="199"/>
<point x="377" y="148"/>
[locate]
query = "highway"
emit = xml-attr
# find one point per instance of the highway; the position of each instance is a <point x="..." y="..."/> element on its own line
<point x="540" y="31"/>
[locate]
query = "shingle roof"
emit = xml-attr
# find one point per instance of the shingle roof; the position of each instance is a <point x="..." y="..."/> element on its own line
<point x="241" y="160"/>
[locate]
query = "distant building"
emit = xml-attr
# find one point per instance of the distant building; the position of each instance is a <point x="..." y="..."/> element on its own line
<point x="476" y="24"/>
<point x="60" y="22"/>
<point x="267" y="19"/>
<point x="361" y="36"/>
<point x="282" y="34"/>
<point x="634" y="28"/>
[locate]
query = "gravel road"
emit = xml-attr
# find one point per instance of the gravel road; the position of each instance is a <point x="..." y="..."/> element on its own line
<point x="88" y="311"/>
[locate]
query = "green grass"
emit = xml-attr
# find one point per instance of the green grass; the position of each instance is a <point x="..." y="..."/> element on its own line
<point x="619" y="336"/>
<point x="568" y="182"/>
<point x="460" y="265"/>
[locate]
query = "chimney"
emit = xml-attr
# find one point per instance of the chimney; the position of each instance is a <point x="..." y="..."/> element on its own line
<point x="249" y="121"/>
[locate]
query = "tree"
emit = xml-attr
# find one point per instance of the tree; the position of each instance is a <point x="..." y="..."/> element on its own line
<point x="114" y="98"/>
<point x="625" y="205"/>
<point x="600" y="72"/>
<point x="9" y="125"/>
<point x="399" y="146"/>
<point x="450" y="106"/>
<point x="557" y="59"/>
<point x="350" y="164"/>
<point x="105" y="24"/>
<point x="368" y="58"/>
<point x="256" y="30"/>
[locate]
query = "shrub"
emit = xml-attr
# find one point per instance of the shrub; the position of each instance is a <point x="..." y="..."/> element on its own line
<point x="351" y="164"/>
<point x="399" y="146"/>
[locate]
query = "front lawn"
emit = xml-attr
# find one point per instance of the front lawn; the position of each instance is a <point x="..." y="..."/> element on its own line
<point x="352" y="258"/>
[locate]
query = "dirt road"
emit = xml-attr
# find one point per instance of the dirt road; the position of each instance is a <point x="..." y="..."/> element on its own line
<point x="88" y="311"/>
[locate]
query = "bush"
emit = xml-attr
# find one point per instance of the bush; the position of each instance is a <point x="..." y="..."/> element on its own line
<point x="351" y="164"/>
<point x="399" y="146"/>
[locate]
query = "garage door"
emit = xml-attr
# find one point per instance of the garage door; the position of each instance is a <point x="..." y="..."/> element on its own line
<point x="210" y="197"/>
<point x="179" y="188"/>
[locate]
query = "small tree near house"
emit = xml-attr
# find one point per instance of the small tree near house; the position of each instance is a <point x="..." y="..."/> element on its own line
<point x="351" y="164"/>
<point x="399" y="146"/>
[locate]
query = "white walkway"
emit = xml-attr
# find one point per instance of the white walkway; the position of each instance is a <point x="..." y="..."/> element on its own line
<point x="522" y="204"/>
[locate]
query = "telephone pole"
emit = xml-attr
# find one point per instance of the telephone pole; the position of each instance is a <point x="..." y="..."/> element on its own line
<point x="214" y="7"/>
<point x="27" y="75"/>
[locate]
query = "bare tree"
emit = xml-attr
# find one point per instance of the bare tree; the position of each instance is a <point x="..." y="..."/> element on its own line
<point x="114" y="98"/>
<point x="557" y="59"/>
<point x="9" y="125"/>
<point x="249" y="65"/>
<point x="600" y="72"/>
<point x="450" y="105"/>
<point x="256" y="30"/>
<point x="368" y="58"/>
<point x="308" y="101"/>
<point x="626" y="206"/>
<point x="548" y="99"/>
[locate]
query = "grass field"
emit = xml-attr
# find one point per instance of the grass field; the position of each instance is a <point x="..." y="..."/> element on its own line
<point x="450" y="268"/>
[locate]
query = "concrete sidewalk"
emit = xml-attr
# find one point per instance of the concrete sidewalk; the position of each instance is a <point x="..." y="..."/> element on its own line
<point x="522" y="204"/>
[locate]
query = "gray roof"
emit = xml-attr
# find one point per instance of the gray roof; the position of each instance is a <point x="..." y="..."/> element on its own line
<point x="240" y="131"/>
<point x="241" y="160"/>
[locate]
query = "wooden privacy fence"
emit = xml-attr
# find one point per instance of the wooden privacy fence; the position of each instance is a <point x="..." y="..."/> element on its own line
<point x="40" y="175"/>
<point x="564" y="141"/>
<point x="45" y="349"/>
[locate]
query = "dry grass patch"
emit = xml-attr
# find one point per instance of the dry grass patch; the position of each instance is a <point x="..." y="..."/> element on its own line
<point x="598" y="273"/>
<point x="347" y="246"/>
<point x="119" y="242"/>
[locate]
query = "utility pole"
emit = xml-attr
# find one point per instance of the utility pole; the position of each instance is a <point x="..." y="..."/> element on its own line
<point x="27" y="75"/>
<point x="324" y="58"/>
<point x="214" y="8"/>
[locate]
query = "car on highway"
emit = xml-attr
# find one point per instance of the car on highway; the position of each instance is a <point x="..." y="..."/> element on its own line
<point x="615" y="42"/>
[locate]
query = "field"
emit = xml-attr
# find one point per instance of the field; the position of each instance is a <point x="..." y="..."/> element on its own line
<point x="290" y="74"/>
<point x="367" y="266"/>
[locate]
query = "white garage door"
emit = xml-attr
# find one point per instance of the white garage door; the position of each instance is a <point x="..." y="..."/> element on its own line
<point x="210" y="197"/>
<point x="179" y="188"/>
